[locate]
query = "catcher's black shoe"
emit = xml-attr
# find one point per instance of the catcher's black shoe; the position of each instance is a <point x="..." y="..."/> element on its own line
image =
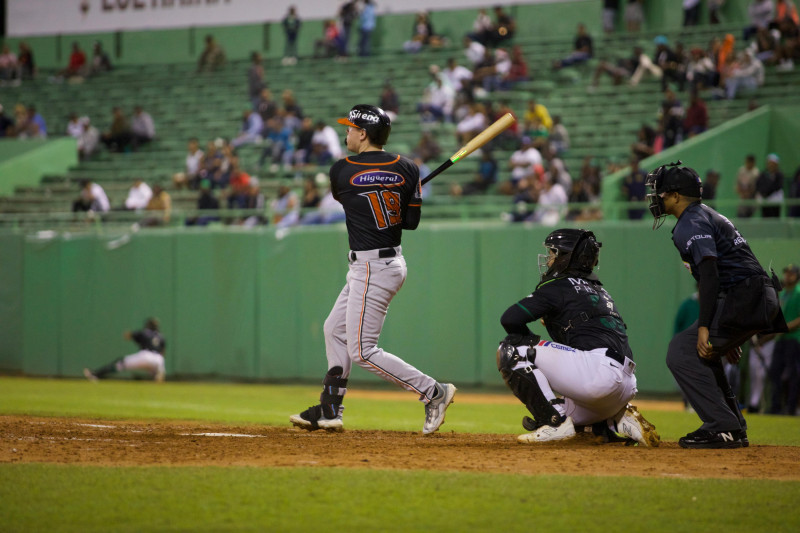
<point x="702" y="438"/>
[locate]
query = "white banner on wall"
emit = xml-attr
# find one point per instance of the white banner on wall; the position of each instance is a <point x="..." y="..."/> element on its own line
<point x="51" y="17"/>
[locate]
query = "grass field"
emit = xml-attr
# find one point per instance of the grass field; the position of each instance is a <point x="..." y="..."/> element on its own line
<point x="52" y="497"/>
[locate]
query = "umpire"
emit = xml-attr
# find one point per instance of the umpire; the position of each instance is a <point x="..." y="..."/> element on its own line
<point x="737" y="300"/>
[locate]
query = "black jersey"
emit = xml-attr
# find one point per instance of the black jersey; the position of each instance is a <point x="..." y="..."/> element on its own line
<point x="150" y="340"/>
<point x="577" y="312"/>
<point x="702" y="232"/>
<point x="377" y="189"/>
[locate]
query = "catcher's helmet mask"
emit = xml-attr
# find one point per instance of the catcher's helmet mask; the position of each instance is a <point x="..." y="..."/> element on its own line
<point x="671" y="178"/>
<point x="371" y="119"/>
<point x="575" y="251"/>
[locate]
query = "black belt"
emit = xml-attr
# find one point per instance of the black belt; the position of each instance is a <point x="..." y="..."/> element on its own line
<point x="619" y="358"/>
<point x="383" y="252"/>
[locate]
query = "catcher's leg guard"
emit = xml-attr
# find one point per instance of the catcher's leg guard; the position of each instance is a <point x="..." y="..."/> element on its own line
<point x="520" y="374"/>
<point x="110" y="368"/>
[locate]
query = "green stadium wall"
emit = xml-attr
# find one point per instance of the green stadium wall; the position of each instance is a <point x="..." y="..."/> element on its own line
<point x="537" y="21"/>
<point x="246" y="305"/>
<point x="762" y="131"/>
<point x="25" y="162"/>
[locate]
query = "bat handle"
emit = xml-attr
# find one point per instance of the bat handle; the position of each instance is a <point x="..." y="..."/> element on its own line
<point x="441" y="168"/>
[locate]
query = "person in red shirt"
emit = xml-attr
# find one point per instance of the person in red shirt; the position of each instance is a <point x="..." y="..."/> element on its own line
<point x="696" y="120"/>
<point x="76" y="62"/>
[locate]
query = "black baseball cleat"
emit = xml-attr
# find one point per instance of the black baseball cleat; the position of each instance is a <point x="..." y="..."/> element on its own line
<point x="702" y="438"/>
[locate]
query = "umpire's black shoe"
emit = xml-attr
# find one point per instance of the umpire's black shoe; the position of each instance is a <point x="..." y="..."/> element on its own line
<point x="702" y="438"/>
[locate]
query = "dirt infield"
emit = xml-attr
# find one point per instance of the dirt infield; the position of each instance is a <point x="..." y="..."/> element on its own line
<point x="134" y="443"/>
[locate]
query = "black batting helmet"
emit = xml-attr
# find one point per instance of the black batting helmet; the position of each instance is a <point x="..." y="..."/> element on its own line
<point x="371" y="119"/>
<point x="671" y="178"/>
<point x="576" y="252"/>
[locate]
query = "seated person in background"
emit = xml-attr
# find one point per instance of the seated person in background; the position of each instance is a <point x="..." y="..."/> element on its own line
<point x="302" y="147"/>
<point x="143" y="129"/>
<point x="582" y="50"/>
<point x="423" y="34"/>
<point x="671" y="62"/>
<point x="74" y="126"/>
<point x="537" y="110"/>
<point x="160" y="201"/>
<point x="285" y="208"/>
<point x="138" y="195"/>
<point x="251" y="129"/>
<point x="100" y="60"/>
<point x="212" y="57"/>
<point x="389" y="100"/>
<point x="471" y="125"/>
<point x="88" y="140"/>
<point x="645" y="142"/>
<point x="119" y="135"/>
<point x="189" y="177"/>
<point x="77" y="60"/>
<point x="559" y="136"/>
<point x="238" y="186"/>
<point x="696" y="120"/>
<point x="92" y="198"/>
<point x="205" y="202"/>
<point x="746" y="72"/>
<point x="620" y="70"/>
<point x="503" y="28"/>
<point x="326" y="136"/>
<point x="330" y="43"/>
<point x="701" y="71"/>
<point x="279" y="146"/>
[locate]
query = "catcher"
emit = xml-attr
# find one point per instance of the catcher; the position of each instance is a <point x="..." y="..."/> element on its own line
<point x="589" y="363"/>
<point x="149" y="358"/>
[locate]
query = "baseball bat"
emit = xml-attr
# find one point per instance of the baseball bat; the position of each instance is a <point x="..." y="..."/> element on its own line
<point x="499" y="125"/>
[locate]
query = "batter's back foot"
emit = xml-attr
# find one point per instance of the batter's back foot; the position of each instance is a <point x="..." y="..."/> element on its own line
<point x="435" y="409"/>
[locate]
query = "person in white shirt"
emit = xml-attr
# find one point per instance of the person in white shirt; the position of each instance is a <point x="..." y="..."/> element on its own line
<point x="552" y="203"/>
<point x="194" y="157"/>
<point x="457" y="75"/>
<point x="88" y="140"/>
<point x="138" y="195"/>
<point x="326" y="136"/>
<point x="472" y="124"/>
<point x="142" y="127"/>
<point x="473" y="51"/>
<point x="523" y="160"/>
<point x="74" y="126"/>
<point x="438" y="100"/>
<point x="92" y="198"/>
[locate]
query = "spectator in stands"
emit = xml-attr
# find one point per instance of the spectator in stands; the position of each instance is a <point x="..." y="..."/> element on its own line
<point x="710" y="186"/>
<point x="205" y="202"/>
<point x="88" y="141"/>
<point x="539" y="111"/>
<point x="74" y="126"/>
<point x="9" y="66"/>
<point x="786" y="10"/>
<point x="671" y="117"/>
<point x="714" y="8"/>
<point x="427" y="148"/>
<point x="438" y="100"/>
<point x="303" y="148"/>
<point x="266" y="106"/>
<point x="191" y="173"/>
<point x="311" y="195"/>
<point x="769" y="187"/>
<point x="255" y="79"/>
<point x="481" y="27"/>
<point x="238" y="186"/>
<point x="285" y="208"/>
<point x="92" y="198"/>
<point x="794" y="194"/>
<point x="160" y="201"/>
<point x="580" y="193"/>
<point x="724" y="53"/>
<point x="29" y="123"/>
<point x="143" y="129"/>
<point x="559" y="136"/>
<point x="422" y="34"/>
<point x="746" y="185"/>
<point x="518" y="69"/>
<point x="280" y="147"/>
<point x="746" y="72"/>
<point x="457" y="76"/>
<point x="491" y="73"/>
<point x="523" y="161"/>
<point x="250" y="132"/>
<point x="645" y="144"/>
<point x="765" y="46"/>
<point x="348" y="13"/>
<point x="329" y="210"/>
<point x="503" y="29"/>
<point x="789" y="47"/>
<point x="623" y="68"/>
<point x="701" y="72"/>
<point x="6" y="124"/>
<point x="118" y="136"/>
<point x="255" y="201"/>
<point x="212" y="57"/>
<point x="472" y="124"/>
<point x="634" y="15"/>
<point x="696" y="120"/>
<point x="138" y="195"/>
<point x="326" y="137"/>
<point x="367" y="21"/>
<point x="760" y="13"/>
<point x="100" y="60"/>
<point x="27" y="65"/>
<point x="634" y="189"/>
<point x="691" y="12"/>
<point x="552" y="202"/>
<point x="215" y="165"/>
<point x="610" y="9"/>
<point x="473" y="51"/>
<point x="671" y="63"/>
<point x="330" y="42"/>
<point x="77" y="60"/>
<point x="293" y="113"/>
<point x="291" y="28"/>
<point x="485" y="177"/>
<point x="582" y="50"/>
<point x="389" y="100"/>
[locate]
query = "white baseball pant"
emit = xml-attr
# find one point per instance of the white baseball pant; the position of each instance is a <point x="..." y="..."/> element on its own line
<point x="145" y="360"/>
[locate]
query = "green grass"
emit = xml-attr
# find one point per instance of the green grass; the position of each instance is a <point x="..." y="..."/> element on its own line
<point x="37" y="497"/>
<point x="45" y="497"/>
<point x="271" y="404"/>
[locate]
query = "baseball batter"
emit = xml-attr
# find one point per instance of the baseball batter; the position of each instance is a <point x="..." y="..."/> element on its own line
<point x="381" y="196"/>
<point x="590" y="363"/>
<point x="149" y="358"/>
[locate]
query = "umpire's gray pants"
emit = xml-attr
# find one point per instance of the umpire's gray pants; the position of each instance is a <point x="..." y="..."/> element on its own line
<point x="703" y="381"/>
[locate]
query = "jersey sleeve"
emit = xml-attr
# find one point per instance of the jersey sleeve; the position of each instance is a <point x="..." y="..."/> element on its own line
<point x="333" y="174"/>
<point x="696" y="239"/>
<point x="533" y="307"/>
<point x="413" y="211"/>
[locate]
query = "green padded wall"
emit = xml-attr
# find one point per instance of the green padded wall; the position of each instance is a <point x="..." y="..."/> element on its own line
<point x="249" y="305"/>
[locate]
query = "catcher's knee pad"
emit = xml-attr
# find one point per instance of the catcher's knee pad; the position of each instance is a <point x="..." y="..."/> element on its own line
<point x="334" y="387"/>
<point x="518" y="373"/>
